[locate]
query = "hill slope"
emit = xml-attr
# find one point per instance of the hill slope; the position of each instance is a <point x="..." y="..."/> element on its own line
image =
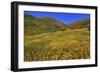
<point x="84" y="23"/>
<point x="33" y="25"/>
<point x="54" y="22"/>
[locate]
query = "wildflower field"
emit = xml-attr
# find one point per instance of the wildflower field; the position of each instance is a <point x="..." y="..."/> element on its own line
<point x="59" y="45"/>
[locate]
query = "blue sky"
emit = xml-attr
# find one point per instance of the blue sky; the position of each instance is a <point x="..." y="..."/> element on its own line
<point x="65" y="18"/>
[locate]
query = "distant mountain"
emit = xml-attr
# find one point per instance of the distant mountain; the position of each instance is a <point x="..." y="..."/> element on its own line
<point x="33" y="22"/>
<point x="33" y="25"/>
<point x="84" y="23"/>
<point x="54" y="22"/>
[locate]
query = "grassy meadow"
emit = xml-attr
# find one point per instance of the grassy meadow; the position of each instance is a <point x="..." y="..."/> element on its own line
<point x="58" y="45"/>
<point x="46" y="38"/>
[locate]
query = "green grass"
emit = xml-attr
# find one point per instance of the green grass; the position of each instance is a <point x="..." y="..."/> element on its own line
<point x="59" y="45"/>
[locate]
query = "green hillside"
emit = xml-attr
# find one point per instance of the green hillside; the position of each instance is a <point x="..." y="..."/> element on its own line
<point x="33" y="25"/>
<point x="54" y="22"/>
<point x="84" y="23"/>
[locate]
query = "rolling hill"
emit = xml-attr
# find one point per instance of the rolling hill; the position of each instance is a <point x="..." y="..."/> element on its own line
<point x="84" y="23"/>
<point x="33" y="25"/>
<point x="54" y="22"/>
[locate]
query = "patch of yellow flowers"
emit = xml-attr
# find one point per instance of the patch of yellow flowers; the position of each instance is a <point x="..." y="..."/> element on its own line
<point x="60" y="45"/>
